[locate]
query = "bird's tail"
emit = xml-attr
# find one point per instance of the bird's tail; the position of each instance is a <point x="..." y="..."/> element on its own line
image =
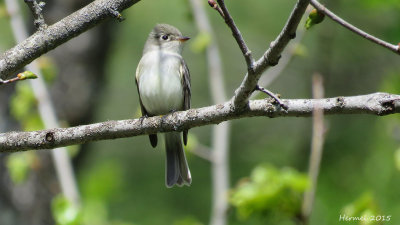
<point x="177" y="170"/>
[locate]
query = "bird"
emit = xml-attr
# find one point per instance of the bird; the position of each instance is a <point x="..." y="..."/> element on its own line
<point x="163" y="84"/>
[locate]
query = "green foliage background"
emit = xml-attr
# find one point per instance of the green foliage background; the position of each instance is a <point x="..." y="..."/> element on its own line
<point x="124" y="178"/>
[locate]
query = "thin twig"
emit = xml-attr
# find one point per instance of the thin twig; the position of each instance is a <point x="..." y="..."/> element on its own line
<point x="215" y="6"/>
<point x="47" y="113"/>
<point x="272" y="95"/>
<point x="19" y="77"/>
<point x="36" y="9"/>
<point x="334" y="17"/>
<point x="374" y="104"/>
<point x="271" y="56"/>
<point x="317" y="142"/>
<point x="237" y="35"/>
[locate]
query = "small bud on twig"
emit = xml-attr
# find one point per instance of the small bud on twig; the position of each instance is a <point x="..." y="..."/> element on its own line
<point x="212" y="3"/>
<point x="315" y="17"/>
<point x="26" y="75"/>
<point x="21" y="76"/>
<point x="215" y="6"/>
<point x="116" y="15"/>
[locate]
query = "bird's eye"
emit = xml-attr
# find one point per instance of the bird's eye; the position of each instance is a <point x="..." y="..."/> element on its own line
<point x="165" y="37"/>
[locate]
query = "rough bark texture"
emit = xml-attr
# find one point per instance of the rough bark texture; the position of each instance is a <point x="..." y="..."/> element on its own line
<point x="376" y="104"/>
<point x="59" y="33"/>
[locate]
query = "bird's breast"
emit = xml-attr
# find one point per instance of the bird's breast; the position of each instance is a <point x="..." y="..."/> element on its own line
<point x="160" y="85"/>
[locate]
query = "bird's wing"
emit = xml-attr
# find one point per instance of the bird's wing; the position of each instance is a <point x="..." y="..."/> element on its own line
<point x="138" y="71"/>
<point x="185" y="77"/>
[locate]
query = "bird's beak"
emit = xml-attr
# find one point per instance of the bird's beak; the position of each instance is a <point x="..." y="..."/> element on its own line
<point x="183" y="39"/>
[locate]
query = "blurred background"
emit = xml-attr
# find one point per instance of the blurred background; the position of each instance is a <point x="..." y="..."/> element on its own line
<point x="91" y="79"/>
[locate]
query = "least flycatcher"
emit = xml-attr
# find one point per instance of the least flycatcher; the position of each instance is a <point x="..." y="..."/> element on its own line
<point x="163" y="83"/>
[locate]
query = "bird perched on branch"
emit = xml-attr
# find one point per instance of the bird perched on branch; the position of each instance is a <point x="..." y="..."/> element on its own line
<point x="163" y="83"/>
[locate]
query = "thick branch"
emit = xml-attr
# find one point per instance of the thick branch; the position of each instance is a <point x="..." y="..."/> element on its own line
<point x="376" y="104"/>
<point x="58" y="33"/>
<point x="271" y="56"/>
<point x="334" y="17"/>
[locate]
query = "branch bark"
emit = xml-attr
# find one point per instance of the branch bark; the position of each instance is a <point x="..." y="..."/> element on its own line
<point x="271" y="56"/>
<point x="36" y="9"/>
<point x="375" y="104"/>
<point x="237" y="35"/>
<point x="49" y="38"/>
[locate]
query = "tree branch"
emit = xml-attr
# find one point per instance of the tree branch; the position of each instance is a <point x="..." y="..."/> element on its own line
<point x="334" y="17"/>
<point x="223" y="11"/>
<point x="36" y="9"/>
<point x="21" y="76"/>
<point x="58" y="33"/>
<point x="317" y="143"/>
<point x="271" y="56"/>
<point x="375" y="104"/>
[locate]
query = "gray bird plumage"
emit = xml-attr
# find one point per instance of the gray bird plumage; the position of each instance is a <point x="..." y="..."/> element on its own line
<point x="163" y="82"/>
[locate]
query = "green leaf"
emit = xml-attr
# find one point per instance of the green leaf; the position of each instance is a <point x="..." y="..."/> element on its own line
<point x="269" y="191"/>
<point x="19" y="164"/>
<point x="22" y="101"/>
<point x="23" y="108"/>
<point x="110" y="173"/>
<point x="200" y="42"/>
<point x="64" y="212"/>
<point x="315" y="17"/>
<point x="95" y="212"/>
<point x="48" y="68"/>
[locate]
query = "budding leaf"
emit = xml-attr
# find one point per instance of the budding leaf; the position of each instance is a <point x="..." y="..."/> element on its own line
<point x="315" y="17"/>
<point x="26" y="75"/>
